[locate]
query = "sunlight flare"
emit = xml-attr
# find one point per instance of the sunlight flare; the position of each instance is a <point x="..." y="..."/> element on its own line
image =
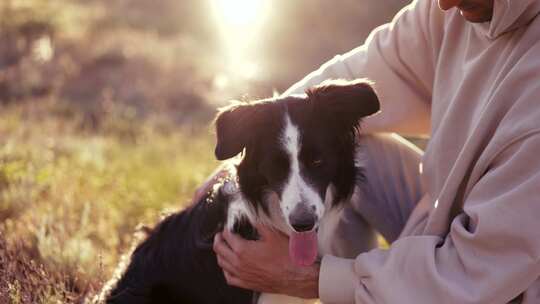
<point x="239" y="23"/>
<point x="239" y="12"/>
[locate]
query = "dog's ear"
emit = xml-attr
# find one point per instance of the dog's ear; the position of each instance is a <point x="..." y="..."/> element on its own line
<point x="235" y="125"/>
<point x="346" y="101"/>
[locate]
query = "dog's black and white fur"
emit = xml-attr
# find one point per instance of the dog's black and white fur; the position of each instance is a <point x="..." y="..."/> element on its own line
<point x="297" y="162"/>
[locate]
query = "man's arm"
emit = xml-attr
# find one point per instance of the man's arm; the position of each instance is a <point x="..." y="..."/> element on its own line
<point x="400" y="57"/>
<point x="491" y="254"/>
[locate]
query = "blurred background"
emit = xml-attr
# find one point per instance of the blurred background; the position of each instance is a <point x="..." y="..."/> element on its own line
<point x="105" y="111"/>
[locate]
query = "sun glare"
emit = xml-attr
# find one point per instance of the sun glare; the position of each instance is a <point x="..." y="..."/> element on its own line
<point x="240" y="23"/>
<point x="239" y="12"/>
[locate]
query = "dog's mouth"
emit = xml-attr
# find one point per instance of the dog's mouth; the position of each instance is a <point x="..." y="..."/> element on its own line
<point x="303" y="247"/>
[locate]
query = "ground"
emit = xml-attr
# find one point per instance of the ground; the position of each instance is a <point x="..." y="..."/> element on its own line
<point x="71" y="198"/>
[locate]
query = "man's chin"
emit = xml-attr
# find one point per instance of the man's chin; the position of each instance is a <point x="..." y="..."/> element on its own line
<point x="477" y="16"/>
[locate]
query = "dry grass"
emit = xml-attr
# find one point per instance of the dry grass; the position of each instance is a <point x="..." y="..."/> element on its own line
<point x="70" y="199"/>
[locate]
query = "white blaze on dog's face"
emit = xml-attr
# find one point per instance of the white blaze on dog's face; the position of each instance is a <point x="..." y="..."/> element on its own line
<point x="302" y="207"/>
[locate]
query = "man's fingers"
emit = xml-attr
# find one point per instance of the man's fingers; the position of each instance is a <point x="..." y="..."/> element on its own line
<point x="234" y="241"/>
<point x="268" y="233"/>
<point x="234" y="281"/>
<point x="264" y="231"/>
<point x="225" y="265"/>
<point x="223" y="251"/>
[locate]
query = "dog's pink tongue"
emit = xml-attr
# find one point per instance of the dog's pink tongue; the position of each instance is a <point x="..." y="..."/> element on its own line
<point x="303" y="247"/>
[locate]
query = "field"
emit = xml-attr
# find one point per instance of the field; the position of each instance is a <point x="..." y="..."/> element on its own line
<point x="71" y="198"/>
<point x="105" y="110"/>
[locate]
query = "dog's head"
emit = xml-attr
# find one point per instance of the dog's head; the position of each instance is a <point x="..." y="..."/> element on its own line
<point x="298" y="149"/>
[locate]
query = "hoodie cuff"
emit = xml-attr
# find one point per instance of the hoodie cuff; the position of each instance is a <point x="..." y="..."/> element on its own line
<point x="336" y="280"/>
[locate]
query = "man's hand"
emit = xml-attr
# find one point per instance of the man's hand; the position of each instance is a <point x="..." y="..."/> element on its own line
<point x="264" y="265"/>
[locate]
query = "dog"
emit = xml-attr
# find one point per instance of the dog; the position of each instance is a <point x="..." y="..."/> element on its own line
<point x="295" y="162"/>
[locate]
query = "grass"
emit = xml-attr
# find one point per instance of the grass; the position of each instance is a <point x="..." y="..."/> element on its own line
<point x="70" y="198"/>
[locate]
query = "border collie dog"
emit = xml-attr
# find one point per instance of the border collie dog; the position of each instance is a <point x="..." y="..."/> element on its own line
<point x="297" y="162"/>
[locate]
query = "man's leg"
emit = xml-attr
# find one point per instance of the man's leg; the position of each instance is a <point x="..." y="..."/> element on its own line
<point x="383" y="199"/>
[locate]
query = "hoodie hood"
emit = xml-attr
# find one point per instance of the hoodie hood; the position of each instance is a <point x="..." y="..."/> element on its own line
<point x="509" y="15"/>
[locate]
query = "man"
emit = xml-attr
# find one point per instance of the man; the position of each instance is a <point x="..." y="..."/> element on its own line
<point x="466" y="73"/>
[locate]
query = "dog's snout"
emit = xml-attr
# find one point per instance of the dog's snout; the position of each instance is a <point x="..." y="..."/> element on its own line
<point x="302" y="218"/>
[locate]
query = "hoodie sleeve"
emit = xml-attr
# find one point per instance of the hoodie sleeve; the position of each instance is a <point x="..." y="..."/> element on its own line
<point x="400" y="57"/>
<point x="490" y="255"/>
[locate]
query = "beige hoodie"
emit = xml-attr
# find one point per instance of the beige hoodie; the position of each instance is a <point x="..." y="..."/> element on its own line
<point x="475" y="89"/>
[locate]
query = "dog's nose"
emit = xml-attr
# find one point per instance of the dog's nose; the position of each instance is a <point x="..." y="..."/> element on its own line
<point x="302" y="219"/>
